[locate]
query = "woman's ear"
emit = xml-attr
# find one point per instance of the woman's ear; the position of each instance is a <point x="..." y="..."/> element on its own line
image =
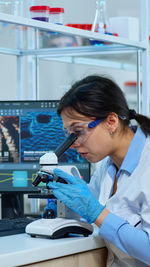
<point x="112" y="122"/>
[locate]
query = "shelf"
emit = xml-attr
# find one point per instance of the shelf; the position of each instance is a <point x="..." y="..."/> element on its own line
<point x="65" y="44"/>
<point x="13" y="21"/>
<point x="94" y="56"/>
<point x="36" y="40"/>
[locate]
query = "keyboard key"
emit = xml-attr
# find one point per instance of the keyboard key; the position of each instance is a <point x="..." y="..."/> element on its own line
<point x="14" y="226"/>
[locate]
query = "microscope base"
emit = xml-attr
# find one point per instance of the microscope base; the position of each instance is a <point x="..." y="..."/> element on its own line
<point x="58" y="227"/>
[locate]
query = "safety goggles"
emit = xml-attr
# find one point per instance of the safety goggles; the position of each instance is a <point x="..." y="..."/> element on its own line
<point x="82" y="130"/>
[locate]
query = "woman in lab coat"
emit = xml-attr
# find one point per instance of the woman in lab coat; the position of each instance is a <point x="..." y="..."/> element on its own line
<point x="117" y="199"/>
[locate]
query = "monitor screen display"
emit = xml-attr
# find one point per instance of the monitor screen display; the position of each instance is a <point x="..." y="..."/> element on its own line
<point x="29" y="129"/>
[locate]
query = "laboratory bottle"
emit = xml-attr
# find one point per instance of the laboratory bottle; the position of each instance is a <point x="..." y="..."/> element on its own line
<point x="56" y="15"/>
<point x="99" y="24"/>
<point x="37" y="3"/>
<point x="40" y="13"/>
<point x="10" y="7"/>
<point x="6" y="6"/>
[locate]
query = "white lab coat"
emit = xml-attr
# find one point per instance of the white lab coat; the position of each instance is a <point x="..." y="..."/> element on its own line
<point x="126" y="202"/>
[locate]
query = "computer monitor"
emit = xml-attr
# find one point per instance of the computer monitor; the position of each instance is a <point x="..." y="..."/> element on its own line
<point x="29" y="129"/>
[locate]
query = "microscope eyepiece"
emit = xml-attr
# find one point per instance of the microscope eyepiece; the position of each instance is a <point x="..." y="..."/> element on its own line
<point x="65" y="144"/>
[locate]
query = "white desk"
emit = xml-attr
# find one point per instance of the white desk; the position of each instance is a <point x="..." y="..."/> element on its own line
<point x="18" y="250"/>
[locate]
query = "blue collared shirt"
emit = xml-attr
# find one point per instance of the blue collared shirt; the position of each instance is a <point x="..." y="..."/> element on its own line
<point x="131" y="159"/>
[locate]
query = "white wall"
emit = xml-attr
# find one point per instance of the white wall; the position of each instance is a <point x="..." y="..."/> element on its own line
<point x="56" y="78"/>
<point x="7" y="77"/>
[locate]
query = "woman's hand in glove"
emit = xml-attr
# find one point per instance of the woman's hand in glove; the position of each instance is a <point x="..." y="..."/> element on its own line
<point x="76" y="196"/>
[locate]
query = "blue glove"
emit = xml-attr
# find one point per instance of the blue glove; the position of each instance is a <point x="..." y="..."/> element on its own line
<point x="76" y="195"/>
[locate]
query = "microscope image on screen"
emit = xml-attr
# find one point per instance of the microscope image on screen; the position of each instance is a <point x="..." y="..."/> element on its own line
<point x="42" y="132"/>
<point x="9" y="139"/>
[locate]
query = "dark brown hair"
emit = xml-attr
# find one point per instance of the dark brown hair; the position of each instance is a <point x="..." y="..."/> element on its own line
<point x="98" y="96"/>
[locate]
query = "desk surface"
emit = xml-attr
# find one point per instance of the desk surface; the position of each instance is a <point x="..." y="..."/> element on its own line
<point x="22" y="249"/>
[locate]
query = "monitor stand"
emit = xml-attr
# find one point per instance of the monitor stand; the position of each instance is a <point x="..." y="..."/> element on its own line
<point x="12" y="205"/>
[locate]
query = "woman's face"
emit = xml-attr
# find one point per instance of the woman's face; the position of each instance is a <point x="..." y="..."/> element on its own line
<point x="96" y="143"/>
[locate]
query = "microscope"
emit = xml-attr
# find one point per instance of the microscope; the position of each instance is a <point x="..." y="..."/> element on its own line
<point x="67" y="221"/>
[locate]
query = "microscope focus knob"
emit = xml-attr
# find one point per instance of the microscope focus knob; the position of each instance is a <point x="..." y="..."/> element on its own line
<point x="49" y="214"/>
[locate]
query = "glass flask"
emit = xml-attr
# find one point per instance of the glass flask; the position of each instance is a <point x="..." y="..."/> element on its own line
<point x="99" y="24"/>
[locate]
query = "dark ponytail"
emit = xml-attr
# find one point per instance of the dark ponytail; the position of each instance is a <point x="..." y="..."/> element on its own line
<point x="98" y="96"/>
<point x="142" y="120"/>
